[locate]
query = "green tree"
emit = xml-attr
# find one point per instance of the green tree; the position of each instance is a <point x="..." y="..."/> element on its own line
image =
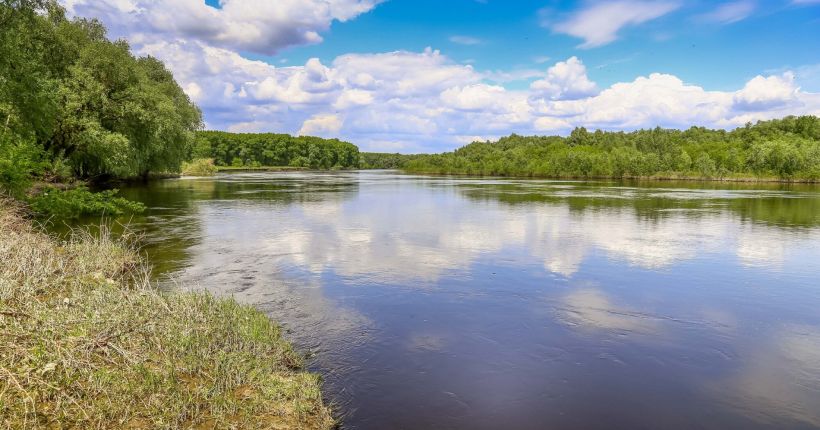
<point x="87" y="99"/>
<point x="787" y="148"/>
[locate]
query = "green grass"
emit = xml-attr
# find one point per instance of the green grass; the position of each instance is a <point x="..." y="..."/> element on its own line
<point x="86" y="342"/>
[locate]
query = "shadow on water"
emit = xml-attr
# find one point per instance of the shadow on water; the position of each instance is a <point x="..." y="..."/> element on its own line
<point x="482" y="303"/>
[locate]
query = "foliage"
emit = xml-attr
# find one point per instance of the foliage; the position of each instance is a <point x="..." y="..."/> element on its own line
<point x="269" y="149"/>
<point x="88" y="342"/>
<point x="85" y="99"/>
<point x="199" y="167"/>
<point x="375" y="160"/>
<point x="80" y="201"/>
<point x="788" y="148"/>
<point x="19" y="160"/>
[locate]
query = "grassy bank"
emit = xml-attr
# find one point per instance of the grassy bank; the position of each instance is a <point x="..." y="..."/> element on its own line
<point x="86" y="342"/>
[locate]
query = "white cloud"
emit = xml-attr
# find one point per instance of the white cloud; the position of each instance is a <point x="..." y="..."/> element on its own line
<point x="353" y="97"/>
<point x="729" y="13"/>
<point x="774" y="92"/>
<point x="551" y="124"/>
<point x="321" y="125"/>
<point x="389" y="122"/>
<point x="464" y="40"/>
<point x="261" y="26"/>
<point x="540" y="59"/>
<point x="403" y="73"/>
<point x="565" y="81"/>
<point x="193" y="90"/>
<point x="657" y="100"/>
<point x="513" y="75"/>
<point x="422" y="101"/>
<point x="426" y="102"/>
<point x="599" y="24"/>
<point x="473" y="97"/>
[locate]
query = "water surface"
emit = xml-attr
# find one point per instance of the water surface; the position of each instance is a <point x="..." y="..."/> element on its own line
<point x="474" y="303"/>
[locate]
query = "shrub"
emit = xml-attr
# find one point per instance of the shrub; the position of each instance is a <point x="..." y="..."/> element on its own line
<point x="81" y="201"/>
<point x="199" y="167"/>
<point x="19" y="159"/>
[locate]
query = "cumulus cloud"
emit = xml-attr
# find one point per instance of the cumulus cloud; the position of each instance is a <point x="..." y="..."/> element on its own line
<point x="599" y="24"/>
<point x="551" y="124"/>
<point x="566" y="80"/>
<point x="321" y="125"/>
<point x="425" y="101"/>
<point x="657" y="100"/>
<point x="473" y="97"/>
<point x="260" y="26"/>
<point x="774" y="92"/>
<point x="728" y="13"/>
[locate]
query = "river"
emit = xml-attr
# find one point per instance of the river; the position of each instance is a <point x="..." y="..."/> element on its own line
<point x="444" y="302"/>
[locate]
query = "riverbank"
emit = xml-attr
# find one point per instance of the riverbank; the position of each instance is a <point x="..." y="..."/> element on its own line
<point x="86" y="342"/>
<point x="261" y="169"/>
<point x="662" y="177"/>
<point x="273" y="169"/>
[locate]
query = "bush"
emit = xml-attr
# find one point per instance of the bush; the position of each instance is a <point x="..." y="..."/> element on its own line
<point x="199" y="167"/>
<point x="81" y="201"/>
<point x="18" y="161"/>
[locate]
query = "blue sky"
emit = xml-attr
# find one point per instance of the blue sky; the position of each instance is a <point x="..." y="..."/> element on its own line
<point x="510" y="35"/>
<point x="426" y="75"/>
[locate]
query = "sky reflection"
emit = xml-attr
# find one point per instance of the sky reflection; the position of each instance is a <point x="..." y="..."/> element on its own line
<point x="450" y="302"/>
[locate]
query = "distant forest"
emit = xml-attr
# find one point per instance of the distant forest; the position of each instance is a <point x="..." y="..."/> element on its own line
<point x="269" y="149"/>
<point x="788" y="148"/>
<point x="378" y="160"/>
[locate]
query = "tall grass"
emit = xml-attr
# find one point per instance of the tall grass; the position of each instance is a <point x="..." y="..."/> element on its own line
<point x="86" y="342"/>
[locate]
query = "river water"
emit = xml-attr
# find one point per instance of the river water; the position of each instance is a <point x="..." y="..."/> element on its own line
<point x="443" y="302"/>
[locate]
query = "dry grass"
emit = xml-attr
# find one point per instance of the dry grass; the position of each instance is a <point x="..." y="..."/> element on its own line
<point x="85" y="342"/>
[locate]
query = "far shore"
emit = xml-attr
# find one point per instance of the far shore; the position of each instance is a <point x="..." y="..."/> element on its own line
<point x="665" y="177"/>
<point x="670" y="177"/>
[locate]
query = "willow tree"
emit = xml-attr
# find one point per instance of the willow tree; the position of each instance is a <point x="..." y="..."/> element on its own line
<point x="87" y="99"/>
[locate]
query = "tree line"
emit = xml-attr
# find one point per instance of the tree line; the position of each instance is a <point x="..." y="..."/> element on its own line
<point x="378" y="160"/>
<point x="787" y="148"/>
<point x="270" y="149"/>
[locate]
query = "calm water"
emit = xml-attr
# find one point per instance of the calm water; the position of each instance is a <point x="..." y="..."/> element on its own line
<point x="464" y="303"/>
